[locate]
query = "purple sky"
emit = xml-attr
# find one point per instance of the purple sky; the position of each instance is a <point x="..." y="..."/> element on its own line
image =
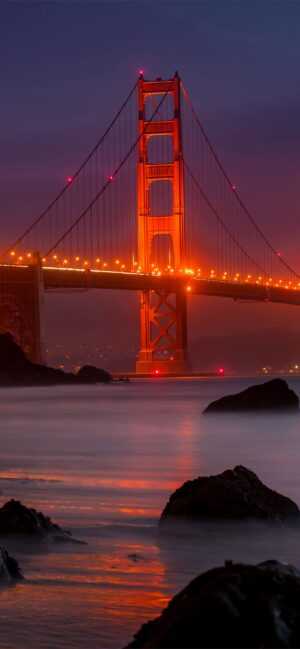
<point x="65" y="66"/>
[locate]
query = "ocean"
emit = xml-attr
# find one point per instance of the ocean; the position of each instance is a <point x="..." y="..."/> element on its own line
<point x="102" y="462"/>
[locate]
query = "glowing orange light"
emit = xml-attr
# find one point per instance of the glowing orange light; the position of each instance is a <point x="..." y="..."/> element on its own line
<point x="29" y="255"/>
<point x="13" y="253"/>
<point x="189" y="288"/>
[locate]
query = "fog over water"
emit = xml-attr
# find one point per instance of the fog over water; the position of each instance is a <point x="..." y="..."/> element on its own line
<point x="102" y="461"/>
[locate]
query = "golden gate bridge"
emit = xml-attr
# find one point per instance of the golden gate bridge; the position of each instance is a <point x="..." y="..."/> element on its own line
<point x="150" y="209"/>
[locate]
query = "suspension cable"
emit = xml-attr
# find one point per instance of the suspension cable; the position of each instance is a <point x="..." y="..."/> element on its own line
<point x="109" y="180"/>
<point x="220" y="220"/>
<point x="233" y="189"/>
<point x="98" y="144"/>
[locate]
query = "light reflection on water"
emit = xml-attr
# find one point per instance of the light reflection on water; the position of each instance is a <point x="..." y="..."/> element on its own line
<point x="103" y="461"/>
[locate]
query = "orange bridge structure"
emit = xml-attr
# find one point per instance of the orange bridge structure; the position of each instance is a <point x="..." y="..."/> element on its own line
<point x="150" y="209"/>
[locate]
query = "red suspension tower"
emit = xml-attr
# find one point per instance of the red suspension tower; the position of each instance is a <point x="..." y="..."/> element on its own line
<point x="163" y="316"/>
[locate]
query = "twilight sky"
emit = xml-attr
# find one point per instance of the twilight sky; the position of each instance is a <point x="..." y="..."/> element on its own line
<point x="65" y="66"/>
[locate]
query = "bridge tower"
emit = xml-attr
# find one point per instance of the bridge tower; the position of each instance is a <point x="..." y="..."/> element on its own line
<point x="21" y="297"/>
<point x="163" y="316"/>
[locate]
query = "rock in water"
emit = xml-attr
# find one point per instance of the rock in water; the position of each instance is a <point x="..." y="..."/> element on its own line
<point x="17" y="519"/>
<point x="9" y="568"/>
<point x="235" y="494"/>
<point x="273" y="395"/>
<point x="91" y="374"/>
<point x="232" y="606"/>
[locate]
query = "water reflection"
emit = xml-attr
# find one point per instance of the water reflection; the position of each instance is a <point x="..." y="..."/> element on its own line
<point x="104" y="463"/>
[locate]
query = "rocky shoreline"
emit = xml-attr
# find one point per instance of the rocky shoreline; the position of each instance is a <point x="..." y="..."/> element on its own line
<point x="17" y="371"/>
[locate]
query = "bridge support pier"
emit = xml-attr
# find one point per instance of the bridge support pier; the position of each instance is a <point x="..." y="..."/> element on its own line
<point x="21" y="296"/>
<point x="163" y="332"/>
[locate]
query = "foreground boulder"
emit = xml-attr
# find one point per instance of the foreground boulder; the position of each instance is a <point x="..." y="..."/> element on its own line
<point x="9" y="568"/>
<point x="17" y="519"/>
<point x="232" y="606"/>
<point x="235" y="494"/>
<point x="17" y="370"/>
<point x="273" y="395"/>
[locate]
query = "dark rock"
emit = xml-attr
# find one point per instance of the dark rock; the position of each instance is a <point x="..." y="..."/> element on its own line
<point x="17" y="370"/>
<point x="232" y="606"/>
<point x="9" y="568"/>
<point x="17" y="519"/>
<point x="273" y="395"/>
<point x="135" y="557"/>
<point x="91" y="374"/>
<point x="235" y="494"/>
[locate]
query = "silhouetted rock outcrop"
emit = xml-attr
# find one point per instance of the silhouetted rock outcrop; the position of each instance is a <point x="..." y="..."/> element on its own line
<point x="17" y="370"/>
<point x="9" y="568"/>
<point x="235" y="494"/>
<point x="91" y="374"/>
<point x="273" y="395"/>
<point x="236" y="605"/>
<point x="16" y="519"/>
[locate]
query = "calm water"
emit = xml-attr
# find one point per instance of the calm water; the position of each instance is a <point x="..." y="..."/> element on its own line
<point x="102" y="461"/>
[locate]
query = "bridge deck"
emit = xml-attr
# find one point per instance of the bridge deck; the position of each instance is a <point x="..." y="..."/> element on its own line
<point x="70" y="279"/>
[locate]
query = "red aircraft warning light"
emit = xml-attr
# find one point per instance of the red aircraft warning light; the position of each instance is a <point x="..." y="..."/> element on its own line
<point x="69" y="179"/>
<point x="221" y="371"/>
